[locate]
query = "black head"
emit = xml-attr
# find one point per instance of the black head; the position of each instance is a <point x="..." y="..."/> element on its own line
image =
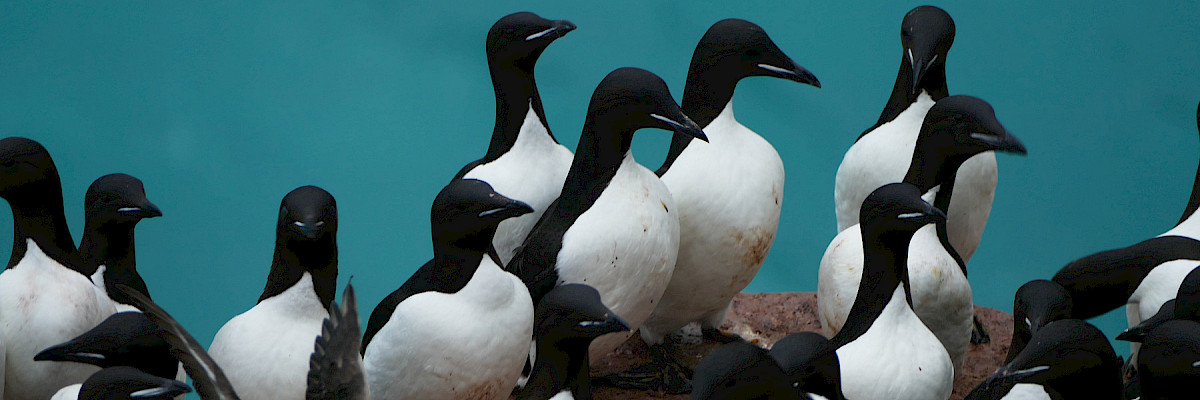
<point x="954" y="129"/>
<point x="926" y="33"/>
<point x="466" y="212"/>
<point x="307" y="214"/>
<point x="1036" y="304"/>
<point x="124" y="339"/>
<point x="735" y="49"/>
<point x="26" y="169"/>
<point x="125" y="383"/>
<point x="575" y="311"/>
<point x="629" y="99"/>
<point x="1168" y="363"/>
<point x="1137" y="333"/>
<point x="518" y="39"/>
<point x="740" y="370"/>
<point x="1070" y="356"/>
<point x="811" y="364"/>
<point x="897" y="208"/>
<point x="120" y="199"/>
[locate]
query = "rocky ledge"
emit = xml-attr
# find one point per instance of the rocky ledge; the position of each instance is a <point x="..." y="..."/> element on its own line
<point x="764" y="318"/>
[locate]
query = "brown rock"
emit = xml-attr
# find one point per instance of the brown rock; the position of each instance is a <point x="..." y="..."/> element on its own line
<point x="764" y="318"/>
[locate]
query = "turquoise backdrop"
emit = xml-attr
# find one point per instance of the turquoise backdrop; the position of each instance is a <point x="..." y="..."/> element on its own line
<point x="222" y="107"/>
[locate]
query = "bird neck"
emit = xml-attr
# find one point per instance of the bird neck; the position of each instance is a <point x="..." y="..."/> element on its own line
<point x="42" y="220"/>
<point x="112" y="245"/>
<point x="706" y="94"/>
<point x="293" y="259"/>
<point x="561" y="365"/>
<point x="933" y="83"/>
<point x="601" y="151"/>
<point x="885" y="268"/>
<point x="516" y="94"/>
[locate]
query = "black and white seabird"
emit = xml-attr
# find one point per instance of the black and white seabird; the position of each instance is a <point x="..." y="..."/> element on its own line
<point x="728" y="191"/>
<point x="335" y="346"/>
<point x="1036" y="303"/>
<point x="46" y="296"/>
<point x="128" y="383"/>
<point x="741" y="370"/>
<point x="524" y="160"/>
<point x="113" y="206"/>
<point x="811" y="364"/>
<point x="884" y="349"/>
<point x="567" y="320"/>
<point x="460" y="327"/>
<point x="1066" y="359"/>
<point x="882" y="153"/>
<point x="615" y="226"/>
<point x="1185" y="305"/>
<point x="1141" y="277"/>
<point x="265" y="350"/>
<point x="955" y="129"/>
<point x="124" y="339"/>
<point x="1169" y="364"/>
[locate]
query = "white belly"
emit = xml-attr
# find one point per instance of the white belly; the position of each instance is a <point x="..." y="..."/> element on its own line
<point x="42" y="304"/>
<point x="884" y="155"/>
<point x="1159" y="286"/>
<point x="625" y="246"/>
<point x="896" y="359"/>
<point x="728" y="193"/>
<point x="531" y="171"/>
<point x="467" y="345"/>
<point x="68" y="393"/>
<point x="1027" y="391"/>
<point x="941" y="296"/>
<point x="265" y="351"/>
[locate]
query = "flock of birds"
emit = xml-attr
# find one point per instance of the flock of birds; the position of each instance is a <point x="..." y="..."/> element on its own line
<point x="544" y="260"/>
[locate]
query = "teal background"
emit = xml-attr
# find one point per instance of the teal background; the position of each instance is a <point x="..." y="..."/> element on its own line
<point x="222" y="107"/>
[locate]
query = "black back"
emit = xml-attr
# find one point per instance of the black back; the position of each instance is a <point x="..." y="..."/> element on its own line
<point x="927" y="32"/>
<point x="335" y="369"/>
<point x="124" y="339"/>
<point x="732" y="49"/>
<point x="624" y="102"/>
<point x="741" y="371"/>
<point x="1168" y="361"/>
<point x="889" y="217"/>
<point x="305" y="241"/>
<point x="463" y="218"/>
<point x="120" y="383"/>
<point x="1070" y="357"/>
<point x="566" y="321"/>
<point x="113" y="206"/>
<point x="514" y="45"/>
<point x="812" y="366"/>
<point x="1101" y="282"/>
<point x="1036" y="303"/>
<point x="29" y="182"/>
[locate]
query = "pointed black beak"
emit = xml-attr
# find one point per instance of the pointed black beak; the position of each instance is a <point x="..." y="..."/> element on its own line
<point x="67" y="352"/>
<point x="168" y="389"/>
<point x="921" y="58"/>
<point x="310" y="228"/>
<point x="510" y="208"/>
<point x="684" y="125"/>
<point x="1001" y="140"/>
<point x="145" y="210"/>
<point x="558" y="29"/>
<point x="610" y="324"/>
<point x="931" y="215"/>
<point x="791" y="71"/>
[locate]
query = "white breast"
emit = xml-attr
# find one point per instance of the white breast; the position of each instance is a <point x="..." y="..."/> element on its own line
<point x="1027" y="391"/>
<point x="43" y="303"/>
<point x="728" y="192"/>
<point x="68" y="393"/>
<point x="265" y="351"/>
<point x="941" y="296"/>
<point x="897" y="359"/>
<point x="531" y="171"/>
<point x="625" y="246"/>
<point x="1159" y="286"/>
<point x="1190" y="227"/>
<point x="883" y="156"/>
<point x="468" y="345"/>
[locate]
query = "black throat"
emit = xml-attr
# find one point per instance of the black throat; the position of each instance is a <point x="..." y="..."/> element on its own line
<point x="1194" y="201"/>
<point x="293" y="258"/>
<point x="933" y="83"/>
<point x="516" y="91"/>
<point x="707" y="92"/>
<point x="40" y="218"/>
<point x="561" y="364"/>
<point x="885" y="267"/>
<point x="112" y="246"/>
